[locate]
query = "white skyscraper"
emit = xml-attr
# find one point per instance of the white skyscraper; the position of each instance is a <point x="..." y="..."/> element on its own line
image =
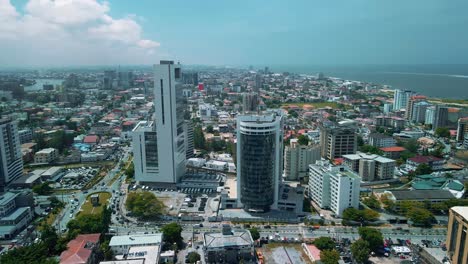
<point x="11" y="160"/>
<point x="297" y="159"/>
<point x="168" y="164"/>
<point x="400" y="98"/>
<point x="259" y="161"/>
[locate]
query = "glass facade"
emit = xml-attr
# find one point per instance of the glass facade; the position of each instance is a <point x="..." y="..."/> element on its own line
<point x="257" y="171"/>
<point x="151" y="149"/>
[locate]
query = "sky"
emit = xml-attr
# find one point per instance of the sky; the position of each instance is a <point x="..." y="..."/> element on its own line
<point x="241" y="32"/>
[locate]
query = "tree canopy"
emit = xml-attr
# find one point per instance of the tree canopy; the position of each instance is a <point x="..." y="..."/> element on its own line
<point x="254" y="232"/>
<point x="372" y="236"/>
<point x="353" y="214"/>
<point x="42" y="188"/>
<point x="360" y="250"/>
<point x="442" y="132"/>
<point x="193" y="257"/>
<point x="303" y="140"/>
<point x="144" y="205"/>
<point x="324" y="243"/>
<point x="372" y="202"/>
<point x="420" y="217"/>
<point x="172" y="233"/>
<point x="329" y="256"/>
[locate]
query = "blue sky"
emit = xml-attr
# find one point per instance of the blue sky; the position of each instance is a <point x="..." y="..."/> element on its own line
<point x="82" y="32"/>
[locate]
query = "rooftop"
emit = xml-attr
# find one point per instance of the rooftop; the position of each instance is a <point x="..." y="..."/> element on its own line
<point x="393" y="149"/>
<point x="130" y="240"/>
<point x="237" y="238"/>
<point x="422" y="194"/>
<point x="79" y="249"/>
<point x="461" y="210"/>
<point x="424" y="159"/>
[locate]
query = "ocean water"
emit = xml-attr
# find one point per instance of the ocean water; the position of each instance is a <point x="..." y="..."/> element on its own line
<point x="443" y="81"/>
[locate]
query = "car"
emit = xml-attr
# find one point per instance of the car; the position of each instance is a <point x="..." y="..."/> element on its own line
<point x="71" y="215"/>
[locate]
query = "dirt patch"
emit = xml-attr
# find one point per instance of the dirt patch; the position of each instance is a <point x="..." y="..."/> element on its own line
<point x="279" y="253"/>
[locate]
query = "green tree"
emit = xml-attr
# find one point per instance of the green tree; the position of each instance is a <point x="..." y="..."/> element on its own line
<point x="420" y="217"/>
<point x="360" y="141"/>
<point x="193" y="257"/>
<point x="324" y="243"/>
<point x="423" y="169"/>
<point x="254" y="232"/>
<point x="372" y="202"/>
<point x="293" y="113"/>
<point x="42" y="188"/>
<point x="372" y="236"/>
<point x="411" y="145"/>
<point x="209" y="129"/>
<point x="130" y="171"/>
<point x="388" y="204"/>
<point x="442" y="132"/>
<point x="360" y="250"/>
<point x="144" y="205"/>
<point x="329" y="256"/>
<point x="370" y="149"/>
<point x="199" y="138"/>
<point x="172" y="233"/>
<point x="303" y="140"/>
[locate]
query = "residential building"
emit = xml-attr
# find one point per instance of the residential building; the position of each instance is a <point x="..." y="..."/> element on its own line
<point x="25" y="136"/>
<point x="333" y="187"/>
<point x="457" y="238"/>
<point x="371" y="167"/>
<point x="46" y="155"/>
<point x="462" y="129"/>
<point x="440" y="117"/>
<point x="430" y="113"/>
<point x="81" y="250"/>
<point x="434" y="162"/>
<point x="381" y="140"/>
<point x="392" y="152"/>
<point x="400" y="99"/>
<point x="297" y="159"/>
<point x="419" y="112"/>
<point x="207" y="111"/>
<point x="337" y="139"/>
<point x="11" y="159"/>
<point x="388" y="107"/>
<point x="250" y="102"/>
<point x="410" y="105"/>
<point x="259" y="160"/>
<point x="229" y="246"/>
<point x="122" y="244"/>
<point x="15" y="213"/>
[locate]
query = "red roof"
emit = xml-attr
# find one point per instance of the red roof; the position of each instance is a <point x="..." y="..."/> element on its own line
<point x="79" y="249"/>
<point x="314" y="251"/>
<point x="393" y="149"/>
<point x="424" y="159"/>
<point x="91" y="139"/>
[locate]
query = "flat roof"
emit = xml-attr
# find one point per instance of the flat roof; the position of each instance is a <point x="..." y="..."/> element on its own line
<point x="149" y="253"/>
<point x="129" y="240"/>
<point x="231" y="183"/>
<point x="422" y="194"/>
<point x="6" y="197"/>
<point x="15" y="214"/>
<point x="124" y="261"/>
<point x="52" y="171"/>
<point x="461" y="210"/>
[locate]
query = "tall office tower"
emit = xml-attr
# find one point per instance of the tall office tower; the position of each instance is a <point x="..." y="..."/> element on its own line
<point x="462" y="129"/>
<point x="170" y="107"/>
<point x="189" y="147"/>
<point x="249" y="102"/>
<point x="259" y="161"/>
<point x="419" y="112"/>
<point x="440" y="116"/>
<point x="457" y="238"/>
<point x="334" y="187"/>
<point x="145" y="152"/>
<point x="388" y="107"/>
<point x="337" y="139"/>
<point x="125" y="79"/>
<point x="409" y="106"/>
<point x="430" y="113"/>
<point x="258" y="82"/>
<point x="400" y="99"/>
<point x="11" y="160"/>
<point x="108" y="79"/>
<point x="297" y="159"/>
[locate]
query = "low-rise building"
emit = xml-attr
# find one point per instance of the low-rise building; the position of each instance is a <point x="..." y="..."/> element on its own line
<point x="381" y="140"/>
<point x="392" y="152"/>
<point x="47" y="155"/>
<point x="81" y="250"/>
<point x="434" y="162"/>
<point x="430" y="197"/>
<point x="229" y="246"/>
<point x="122" y="244"/>
<point x="14" y="214"/>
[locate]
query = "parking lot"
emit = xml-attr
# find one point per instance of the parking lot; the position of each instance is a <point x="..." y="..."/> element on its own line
<point x="76" y="178"/>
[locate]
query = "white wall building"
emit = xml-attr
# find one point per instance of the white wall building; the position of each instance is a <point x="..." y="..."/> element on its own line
<point x="297" y="159"/>
<point x="11" y="161"/>
<point x="333" y="187"/>
<point x="371" y="167"/>
<point x="400" y="99"/>
<point x="46" y="155"/>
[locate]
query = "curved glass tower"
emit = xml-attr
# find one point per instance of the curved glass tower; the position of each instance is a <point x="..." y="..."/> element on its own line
<point x="259" y="162"/>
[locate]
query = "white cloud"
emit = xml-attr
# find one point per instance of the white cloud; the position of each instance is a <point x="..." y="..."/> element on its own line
<point x="71" y="32"/>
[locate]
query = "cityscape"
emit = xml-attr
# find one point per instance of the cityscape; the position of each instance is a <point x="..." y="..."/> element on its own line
<point x="167" y="162"/>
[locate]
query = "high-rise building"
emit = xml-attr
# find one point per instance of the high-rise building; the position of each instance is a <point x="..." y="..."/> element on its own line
<point x="108" y="79"/>
<point x="258" y="82"/>
<point x="457" y="237"/>
<point x="125" y="80"/>
<point x="333" y="187"/>
<point x="388" y="107"/>
<point x="430" y="113"/>
<point x="337" y="139"/>
<point x="190" y="78"/>
<point x="419" y="112"/>
<point x="409" y="106"/>
<point x="189" y="147"/>
<point x="259" y="161"/>
<point x="440" y="117"/>
<point x="250" y="102"/>
<point x="371" y="167"/>
<point x="297" y="159"/>
<point x="161" y="145"/>
<point x="462" y="129"/>
<point x="400" y="99"/>
<point x="11" y="161"/>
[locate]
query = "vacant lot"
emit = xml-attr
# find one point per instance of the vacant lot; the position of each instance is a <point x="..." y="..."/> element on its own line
<point x="279" y="253"/>
<point x="173" y="199"/>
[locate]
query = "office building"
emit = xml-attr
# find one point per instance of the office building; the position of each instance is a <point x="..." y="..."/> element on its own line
<point x="229" y="246"/>
<point x="145" y="152"/>
<point x="457" y="238"/>
<point x="125" y="80"/>
<point x="419" y="112"/>
<point x="411" y="102"/>
<point x="259" y="160"/>
<point x="387" y="108"/>
<point x="15" y="213"/>
<point x="189" y="147"/>
<point x="400" y="99"/>
<point x="462" y="129"/>
<point x="297" y="159"/>
<point x="11" y="160"/>
<point x="440" y="117"/>
<point x="108" y="79"/>
<point x="190" y="78"/>
<point x="381" y="140"/>
<point x="250" y="102"/>
<point x="371" y="167"/>
<point x="337" y="139"/>
<point x="258" y="82"/>
<point x="333" y="187"/>
<point x="430" y="113"/>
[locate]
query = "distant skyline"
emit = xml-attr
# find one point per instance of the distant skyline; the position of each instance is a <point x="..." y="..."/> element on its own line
<point x="212" y="32"/>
